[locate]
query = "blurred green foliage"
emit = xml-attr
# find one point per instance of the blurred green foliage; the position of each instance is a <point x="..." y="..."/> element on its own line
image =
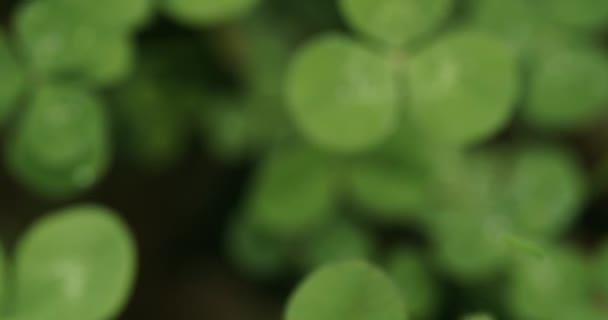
<point x="77" y="263"/>
<point x="347" y="290"/>
<point x="398" y="147"/>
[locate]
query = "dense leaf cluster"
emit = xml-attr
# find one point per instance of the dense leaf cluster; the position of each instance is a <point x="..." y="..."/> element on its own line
<point x="449" y="118"/>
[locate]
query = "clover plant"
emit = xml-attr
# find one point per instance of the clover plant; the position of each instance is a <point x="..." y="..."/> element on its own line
<point x="346" y="290"/>
<point x="74" y="263"/>
<point x="353" y="105"/>
<point x="406" y="159"/>
<point x="61" y="145"/>
<point x="554" y="45"/>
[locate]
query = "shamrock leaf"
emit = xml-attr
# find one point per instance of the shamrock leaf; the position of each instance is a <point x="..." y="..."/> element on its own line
<point x="77" y="263"/>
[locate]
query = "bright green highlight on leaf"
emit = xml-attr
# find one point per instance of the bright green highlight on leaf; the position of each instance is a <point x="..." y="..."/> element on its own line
<point x="341" y="95"/>
<point x="50" y="39"/>
<point x="568" y="89"/>
<point x="395" y="22"/>
<point x="347" y="290"/>
<point x="77" y="263"/>
<point x="207" y="12"/>
<point x="466" y="218"/>
<point x="11" y="79"/>
<point x="61" y="144"/>
<point x="519" y="22"/>
<point x="463" y="88"/>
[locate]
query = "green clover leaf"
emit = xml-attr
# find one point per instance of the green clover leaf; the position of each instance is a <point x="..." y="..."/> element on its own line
<point x="341" y="95"/>
<point x="463" y="88"/>
<point x="395" y="22"/>
<point x="346" y="290"/>
<point x="547" y="288"/>
<point x="77" y="263"/>
<point x="116" y="15"/>
<point x="292" y="192"/>
<point x="61" y="144"/>
<point x="568" y="89"/>
<point x="205" y="12"/>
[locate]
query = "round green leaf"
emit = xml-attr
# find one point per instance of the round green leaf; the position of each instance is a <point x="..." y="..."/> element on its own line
<point x="547" y="288"/>
<point x="208" y="12"/>
<point x="467" y="219"/>
<point x="117" y="15"/>
<point x="395" y="22"/>
<point x="11" y="79"/>
<point x="546" y="190"/>
<point x="347" y="290"/>
<point x="584" y="14"/>
<point x="409" y="272"/>
<point x="61" y="145"/>
<point x="524" y="25"/>
<point x="292" y="192"/>
<point x="341" y="95"/>
<point x="113" y="62"/>
<point x="568" y="89"/>
<point x="499" y="18"/>
<point x="57" y="42"/>
<point x="49" y="38"/>
<point x="468" y="244"/>
<point x="77" y="263"/>
<point x="463" y="88"/>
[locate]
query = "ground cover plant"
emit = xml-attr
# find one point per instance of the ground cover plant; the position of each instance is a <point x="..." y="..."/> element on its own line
<point x="304" y="160"/>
